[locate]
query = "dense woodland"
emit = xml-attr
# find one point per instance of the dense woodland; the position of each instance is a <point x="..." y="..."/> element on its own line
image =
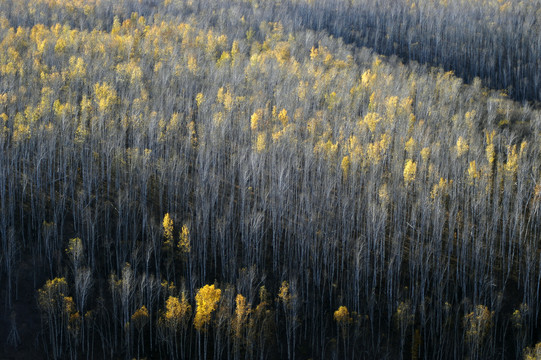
<point x="250" y="179"/>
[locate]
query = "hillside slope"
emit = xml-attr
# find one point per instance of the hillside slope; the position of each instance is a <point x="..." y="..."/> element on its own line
<point x="178" y="182"/>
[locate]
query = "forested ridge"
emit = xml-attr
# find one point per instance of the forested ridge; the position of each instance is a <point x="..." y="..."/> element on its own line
<point x="243" y="179"/>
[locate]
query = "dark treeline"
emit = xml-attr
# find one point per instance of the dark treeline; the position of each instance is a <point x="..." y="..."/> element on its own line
<point x="179" y="182"/>
<point x="495" y="40"/>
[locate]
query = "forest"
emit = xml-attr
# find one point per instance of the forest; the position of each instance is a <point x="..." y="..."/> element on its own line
<point x="270" y="179"/>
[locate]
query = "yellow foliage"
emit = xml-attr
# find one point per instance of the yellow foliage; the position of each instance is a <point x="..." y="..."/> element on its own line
<point x="106" y="96"/>
<point x="411" y="122"/>
<point x="70" y="313"/>
<point x="372" y="104"/>
<point x="342" y="316"/>
<point x="242" y="311"/>
<point x="371" y="119"/>
<point x="256" y="117"/>
<point x="130" y="71"/>
<point x="328" y="149"/>
<point x="228" y="101"/>
<point x="425" y="153"/>
<point x="505" y="7"/>
<point x="60" y="46"/>
<point x="441" y="188"/>
<point x="75" y="249"/>
<point x="74" y="322"/>
<point x="282" y="52"/>
<point x="391" y="106"/>
<point x="517" y="317"/>
<point x="410" y="170"/>
<point x="192" y="132"/>
<point x="168" y="287"/>
<point x="20" y="132"/>
<point x="86" y="105"/>
<point x="249" y="34"/>
<point x="62" y="110"/>
<point x="410" y="146"/>
<point x="354" y="149"/>
<point x="345" y="166"/>
<point x="261" y="142"/>
<point x="44" y="106"/>
<point x="477" y="324"/>
<point x="81" y="133"/>
<point x="376" y="63"/>
<point x="176" y="312"/>
<point x="461" y="146"/>
<point x="331" y="99"/>
<point x="192" y="64"/>
<point x="301" y="90"/>
<point x="224" y="59"/>
<point x="511" y="165"/>
<point x="490" y="151"/>
<point x="368" y="78"/>
<point x="206" y="299"/>
<point x="283" y="293"/>
<point x="533" y="353"/>
<point x="234" y="48"/>
<point x="282" y="116"/>
<point x="313" y="53"/>
<point x="8" y="69"/>
<point x="470" y="116"/>
<point x="77" y="68"/>
<point x="220" y="95"/>
<point x="140" y="316"/>
<point x="328" y="59"/>
<point x="199" y="98"/>
<point x="168" y="231"/>
<point x="376" y="149"/>
<point x="51" y="294"/>
<point x="184" y="242"/>
<point x="277" y="135"/>
<point x="405" y="106"/>
<point x="523" y="146"/>
<point x="472" y="172"/>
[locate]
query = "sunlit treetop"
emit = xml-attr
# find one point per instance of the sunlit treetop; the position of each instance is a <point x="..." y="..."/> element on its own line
<point x="167" y="226"/>
<point x="410" y="170"/>
<point x="206" y="299"/>
<point x="342" y="317"/>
